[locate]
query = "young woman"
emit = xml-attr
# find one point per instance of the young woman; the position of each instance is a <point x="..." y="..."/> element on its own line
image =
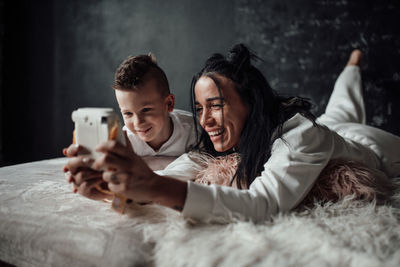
<point x="280" y="149"/>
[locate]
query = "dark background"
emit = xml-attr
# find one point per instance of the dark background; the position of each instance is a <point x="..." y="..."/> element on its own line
<point x="57" y="56"/>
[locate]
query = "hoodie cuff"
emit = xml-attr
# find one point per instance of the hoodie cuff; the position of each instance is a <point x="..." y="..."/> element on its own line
<point x="199" y="202"/>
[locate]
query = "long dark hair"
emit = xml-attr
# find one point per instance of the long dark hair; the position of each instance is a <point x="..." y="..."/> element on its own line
<point x="267" y="111"/>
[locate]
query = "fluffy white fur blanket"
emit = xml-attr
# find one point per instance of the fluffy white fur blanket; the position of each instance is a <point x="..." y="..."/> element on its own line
<point x="349" y="233"/>
<point x="42" y="223"/>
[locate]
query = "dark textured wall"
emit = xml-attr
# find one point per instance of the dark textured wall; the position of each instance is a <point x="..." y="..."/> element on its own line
<point x="94" y="37"/>
<point x="305" y="45"/>
<point x="27" y="82"/>
<point x="61" y="55"/>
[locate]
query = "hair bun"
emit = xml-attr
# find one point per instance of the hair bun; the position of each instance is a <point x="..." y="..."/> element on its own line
<point x="152" y="57"/>
<point x="240" y="57"/>
<point x="214" y="58"/>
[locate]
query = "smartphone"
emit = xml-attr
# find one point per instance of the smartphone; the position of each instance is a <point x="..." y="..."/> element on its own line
<point x="94" y="126"/>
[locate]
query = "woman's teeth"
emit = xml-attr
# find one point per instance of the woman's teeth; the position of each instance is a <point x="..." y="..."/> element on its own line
<point x="215" y="133"/>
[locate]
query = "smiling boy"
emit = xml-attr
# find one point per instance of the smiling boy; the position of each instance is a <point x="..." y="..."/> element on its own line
<point x="153" y="127"/>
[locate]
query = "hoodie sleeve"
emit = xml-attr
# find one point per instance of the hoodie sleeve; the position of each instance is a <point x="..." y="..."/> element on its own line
<point x="295" y="163"/>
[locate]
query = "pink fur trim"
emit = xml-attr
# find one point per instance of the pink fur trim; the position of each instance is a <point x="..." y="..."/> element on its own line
<point x="341" y="178"/>
<point x="219" y="170"/>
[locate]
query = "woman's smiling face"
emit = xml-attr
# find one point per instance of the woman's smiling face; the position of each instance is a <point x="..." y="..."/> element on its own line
<point x="222" y="116"/>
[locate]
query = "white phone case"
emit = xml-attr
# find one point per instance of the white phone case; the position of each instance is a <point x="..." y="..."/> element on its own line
<point x="96" y="125"/>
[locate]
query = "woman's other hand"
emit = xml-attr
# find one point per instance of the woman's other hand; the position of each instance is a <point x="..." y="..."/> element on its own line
<point x="73" y="150"/>
<point x="79" y="173"/>
<point x="127" y="173"/>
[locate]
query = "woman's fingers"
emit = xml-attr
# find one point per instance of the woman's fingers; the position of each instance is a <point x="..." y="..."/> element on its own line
<point x="117" y="181"/>
<point x="76" y="164"/>
<point x="89" y="190"/>
<point x="116" y="148"/>
<point x="73" y="150"/>
<point x="115" y="177"/>
<point x="125" y="183"/>
<point x="111" y="146"/>
<point x="68" y="176"/>
<point x="118" y="188"/>
<point x="114" y="161"/>
<point x="110" y="177"/>
<point x="128" y="143"/>
<point x="85" y="175"/>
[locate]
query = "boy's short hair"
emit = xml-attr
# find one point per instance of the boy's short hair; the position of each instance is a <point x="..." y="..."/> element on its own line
<point x="136" y="70"/>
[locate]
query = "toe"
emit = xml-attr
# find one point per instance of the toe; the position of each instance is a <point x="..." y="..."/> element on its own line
<point x="355" y="58"/>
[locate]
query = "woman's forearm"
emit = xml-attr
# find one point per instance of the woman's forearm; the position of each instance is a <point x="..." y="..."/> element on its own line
<point x="169" y="192"/>
<point x="158" y="162"/>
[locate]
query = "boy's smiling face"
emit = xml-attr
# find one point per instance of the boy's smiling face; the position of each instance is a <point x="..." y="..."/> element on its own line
<point x="146" y="113"/>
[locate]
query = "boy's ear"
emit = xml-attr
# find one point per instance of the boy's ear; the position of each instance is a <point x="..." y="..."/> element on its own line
<point x="170" y="101"/>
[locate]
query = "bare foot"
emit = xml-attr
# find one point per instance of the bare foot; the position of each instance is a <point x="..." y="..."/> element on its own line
<point x="355" y="58"/>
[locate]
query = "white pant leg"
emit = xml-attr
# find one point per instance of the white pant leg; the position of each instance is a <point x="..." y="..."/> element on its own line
<point x="346" y="103"/>
<point x="384" y="144"/>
